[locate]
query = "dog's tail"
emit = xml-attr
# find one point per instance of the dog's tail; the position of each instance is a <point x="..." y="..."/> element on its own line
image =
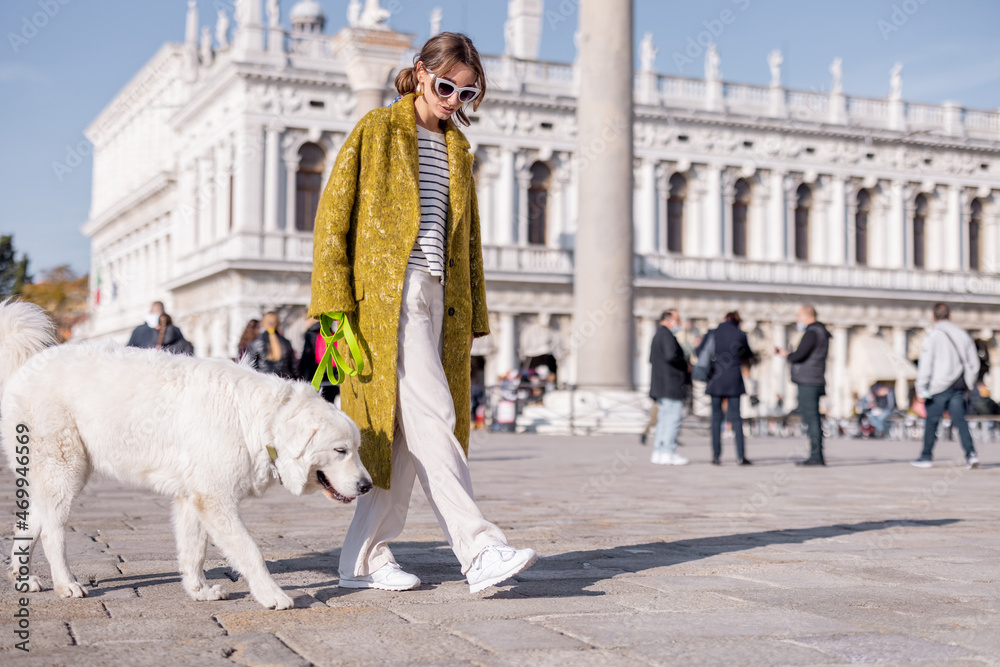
<point x="25" y="330"/>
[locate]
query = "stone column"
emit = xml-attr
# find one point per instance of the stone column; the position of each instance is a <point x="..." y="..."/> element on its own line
<point x="836" y="248"/>
<point x="604" y="262"/>
<point x="206" y="202"/>
<point x="643" y="370"/>
<point x="776" y="217"/>
<point x="955" y="257"/>
<point x="648" y="199"/>
<point x="369" y="57"/>
<point x="899" y="346"/>
<point x="504" y="230"/>
<point x="523" y="170"/>
<point x="248" y="181"/>
<point x="990" y="235"/>
<point x="896" y="253"/>
<point x="994" y="377"/>
<point x="223" y="168"/>
<point x="779" y="384"/>
<point x="506" y="344"/>
<point x="712" y="219"/>
<point x="841" y="406"/>
<point x="272" y="167"/>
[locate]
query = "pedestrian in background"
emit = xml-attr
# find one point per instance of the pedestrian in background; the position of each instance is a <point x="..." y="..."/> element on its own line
<point x="250" y="333"/>
<point x="809" y="373"/>
<point x="725" y="383"/>
<point x="271" y="352"/>
<point x="668" y="386"/>
<point x="948" y="368"/>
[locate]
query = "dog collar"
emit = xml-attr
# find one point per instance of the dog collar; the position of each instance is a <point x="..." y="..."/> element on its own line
<point x="273" y="453"/>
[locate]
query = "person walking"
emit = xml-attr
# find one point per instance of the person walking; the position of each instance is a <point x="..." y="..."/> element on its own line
<point x="271" y="352"/>
<point x="397" y="249"/>
<point x="668" y="386"/>
<point x="948" y="368"/>
<point x="170" y="338"/>
<point x="809" y="373"/>
<point x="725" y="383"/>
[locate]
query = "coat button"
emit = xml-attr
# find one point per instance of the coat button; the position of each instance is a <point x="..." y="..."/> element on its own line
<point x="451" y="311"/>
<point x="451" y="262"/>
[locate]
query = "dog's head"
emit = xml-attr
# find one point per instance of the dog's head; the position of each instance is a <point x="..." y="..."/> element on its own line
<point x="317" y="447"/>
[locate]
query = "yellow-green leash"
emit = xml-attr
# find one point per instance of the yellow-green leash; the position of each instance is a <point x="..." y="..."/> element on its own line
<point x="332" y="356"/>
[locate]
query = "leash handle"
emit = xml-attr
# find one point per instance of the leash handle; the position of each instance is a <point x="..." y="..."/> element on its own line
<point x="331" y="357"/>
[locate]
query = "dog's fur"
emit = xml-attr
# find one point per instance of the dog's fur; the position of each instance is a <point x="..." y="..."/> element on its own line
<point x="194" y="429"/>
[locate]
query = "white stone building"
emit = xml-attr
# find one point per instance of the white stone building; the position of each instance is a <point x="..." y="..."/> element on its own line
<point x="209" y="163"/>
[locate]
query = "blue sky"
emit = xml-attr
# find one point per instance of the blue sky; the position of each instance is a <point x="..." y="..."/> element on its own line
<point x="53" y="82"/>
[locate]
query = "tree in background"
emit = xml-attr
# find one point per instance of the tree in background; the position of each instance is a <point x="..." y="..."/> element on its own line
<point x="63" y="294"/>
<point x="13" y="272"/>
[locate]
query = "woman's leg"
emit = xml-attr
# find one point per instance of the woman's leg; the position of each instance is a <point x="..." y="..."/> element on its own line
<point x="427" y="414"/>
<point x="736" y="420"/>
<point x="380" y="516"/>
<point x="716" y="428"/>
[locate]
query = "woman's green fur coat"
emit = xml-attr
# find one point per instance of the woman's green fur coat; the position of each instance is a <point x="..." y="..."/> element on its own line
<point x="366" y="225"/>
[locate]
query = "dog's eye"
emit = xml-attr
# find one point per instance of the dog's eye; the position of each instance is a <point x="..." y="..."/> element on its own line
<point x="340" y="450"/>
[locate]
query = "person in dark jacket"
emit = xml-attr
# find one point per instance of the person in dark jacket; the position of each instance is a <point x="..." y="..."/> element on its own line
<point x="271" y="352"/>
<point x="148" y="333"/>
<point x="311" y="356"/>
<point x="170" y="338"/>
<point x="809" y="373"/>
<point x="726" y="383"/>
<point x="668" y="387"/>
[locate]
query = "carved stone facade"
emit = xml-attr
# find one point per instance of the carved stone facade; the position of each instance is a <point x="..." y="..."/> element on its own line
<point x="870" y="209"/>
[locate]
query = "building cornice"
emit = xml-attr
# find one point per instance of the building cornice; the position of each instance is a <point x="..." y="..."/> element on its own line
<point x="151" y="188"/>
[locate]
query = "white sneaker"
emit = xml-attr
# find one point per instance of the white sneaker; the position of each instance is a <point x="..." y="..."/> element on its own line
<point x="922" y="463"/>
<point x="658" y="457"/>
<point x="498" y="563"/>
<point x="389" y="577"/>
<point x="676" y="460"/>
<point x="972" y="461"/>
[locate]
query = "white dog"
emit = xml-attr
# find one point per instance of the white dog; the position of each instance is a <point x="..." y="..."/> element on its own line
<point x="199" y="430"/>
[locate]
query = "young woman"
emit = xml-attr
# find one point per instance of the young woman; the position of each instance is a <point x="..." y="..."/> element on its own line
<point x="397" y="248"/>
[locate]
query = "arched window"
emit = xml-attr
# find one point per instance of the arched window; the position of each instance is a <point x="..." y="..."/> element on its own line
<point x="919" y="228"/>
<point x="675" y="213"/>
<point x="975" y="235"/>
<point x="861" y="227"/>
<point x="802" y="204"/>
<point x="741" y="203"/>
<point x="538" y="201"/>
<point x="308" y="185"/>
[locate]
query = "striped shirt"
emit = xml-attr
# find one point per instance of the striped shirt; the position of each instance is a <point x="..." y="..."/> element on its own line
<point x="428" y="251"/>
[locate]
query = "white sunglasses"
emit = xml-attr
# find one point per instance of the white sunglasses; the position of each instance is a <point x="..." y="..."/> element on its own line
<point x="445" y="89"/>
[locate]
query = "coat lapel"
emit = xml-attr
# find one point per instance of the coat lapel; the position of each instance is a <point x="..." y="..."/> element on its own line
<point x="459" y="178"/>
<point x="404" y="125"/>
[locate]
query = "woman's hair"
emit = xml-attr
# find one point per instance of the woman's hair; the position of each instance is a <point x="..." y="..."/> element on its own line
<point x="269" y="323"/>
<point x="164" y="322"/>
<point x="250" y="333"/>
<point x="442" y="53"/>
<point x="733" y="317"/>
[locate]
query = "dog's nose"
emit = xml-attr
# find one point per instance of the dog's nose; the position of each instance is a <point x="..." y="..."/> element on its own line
<point x="364" y="487"/>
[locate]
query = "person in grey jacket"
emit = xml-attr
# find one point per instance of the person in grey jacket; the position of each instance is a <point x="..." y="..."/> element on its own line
<point x="948" y="368"/>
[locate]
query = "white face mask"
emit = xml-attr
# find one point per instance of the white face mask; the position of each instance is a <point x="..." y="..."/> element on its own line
<point x="153" y="320"/>
<point x="800" y="326"/>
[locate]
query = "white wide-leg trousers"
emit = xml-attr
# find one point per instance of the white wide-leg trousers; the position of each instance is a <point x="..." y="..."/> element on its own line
<point x="424" y="444"/>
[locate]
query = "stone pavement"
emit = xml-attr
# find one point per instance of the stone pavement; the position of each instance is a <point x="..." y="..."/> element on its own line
<point x="869" y="561"/>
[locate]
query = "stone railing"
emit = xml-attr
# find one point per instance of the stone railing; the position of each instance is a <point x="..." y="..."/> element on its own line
<point x="540" y="76"/>
<point x="308" y="45"/>
<point x="291" y="248"/>
<point x="796" y="275"/>
<point x="528" y="260"/>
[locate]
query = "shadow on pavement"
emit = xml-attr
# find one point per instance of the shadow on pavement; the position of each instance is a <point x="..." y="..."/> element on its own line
<point x="573" y="572"/>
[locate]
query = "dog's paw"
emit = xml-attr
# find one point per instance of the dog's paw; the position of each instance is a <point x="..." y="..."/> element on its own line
<point x="71" y="590"/>
<point x="34" y="584"/>
<point x="206" y="593"/>
<point x="275" y="599"/>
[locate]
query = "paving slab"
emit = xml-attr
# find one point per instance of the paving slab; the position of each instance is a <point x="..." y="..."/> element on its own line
<point x="866" y="562"/>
